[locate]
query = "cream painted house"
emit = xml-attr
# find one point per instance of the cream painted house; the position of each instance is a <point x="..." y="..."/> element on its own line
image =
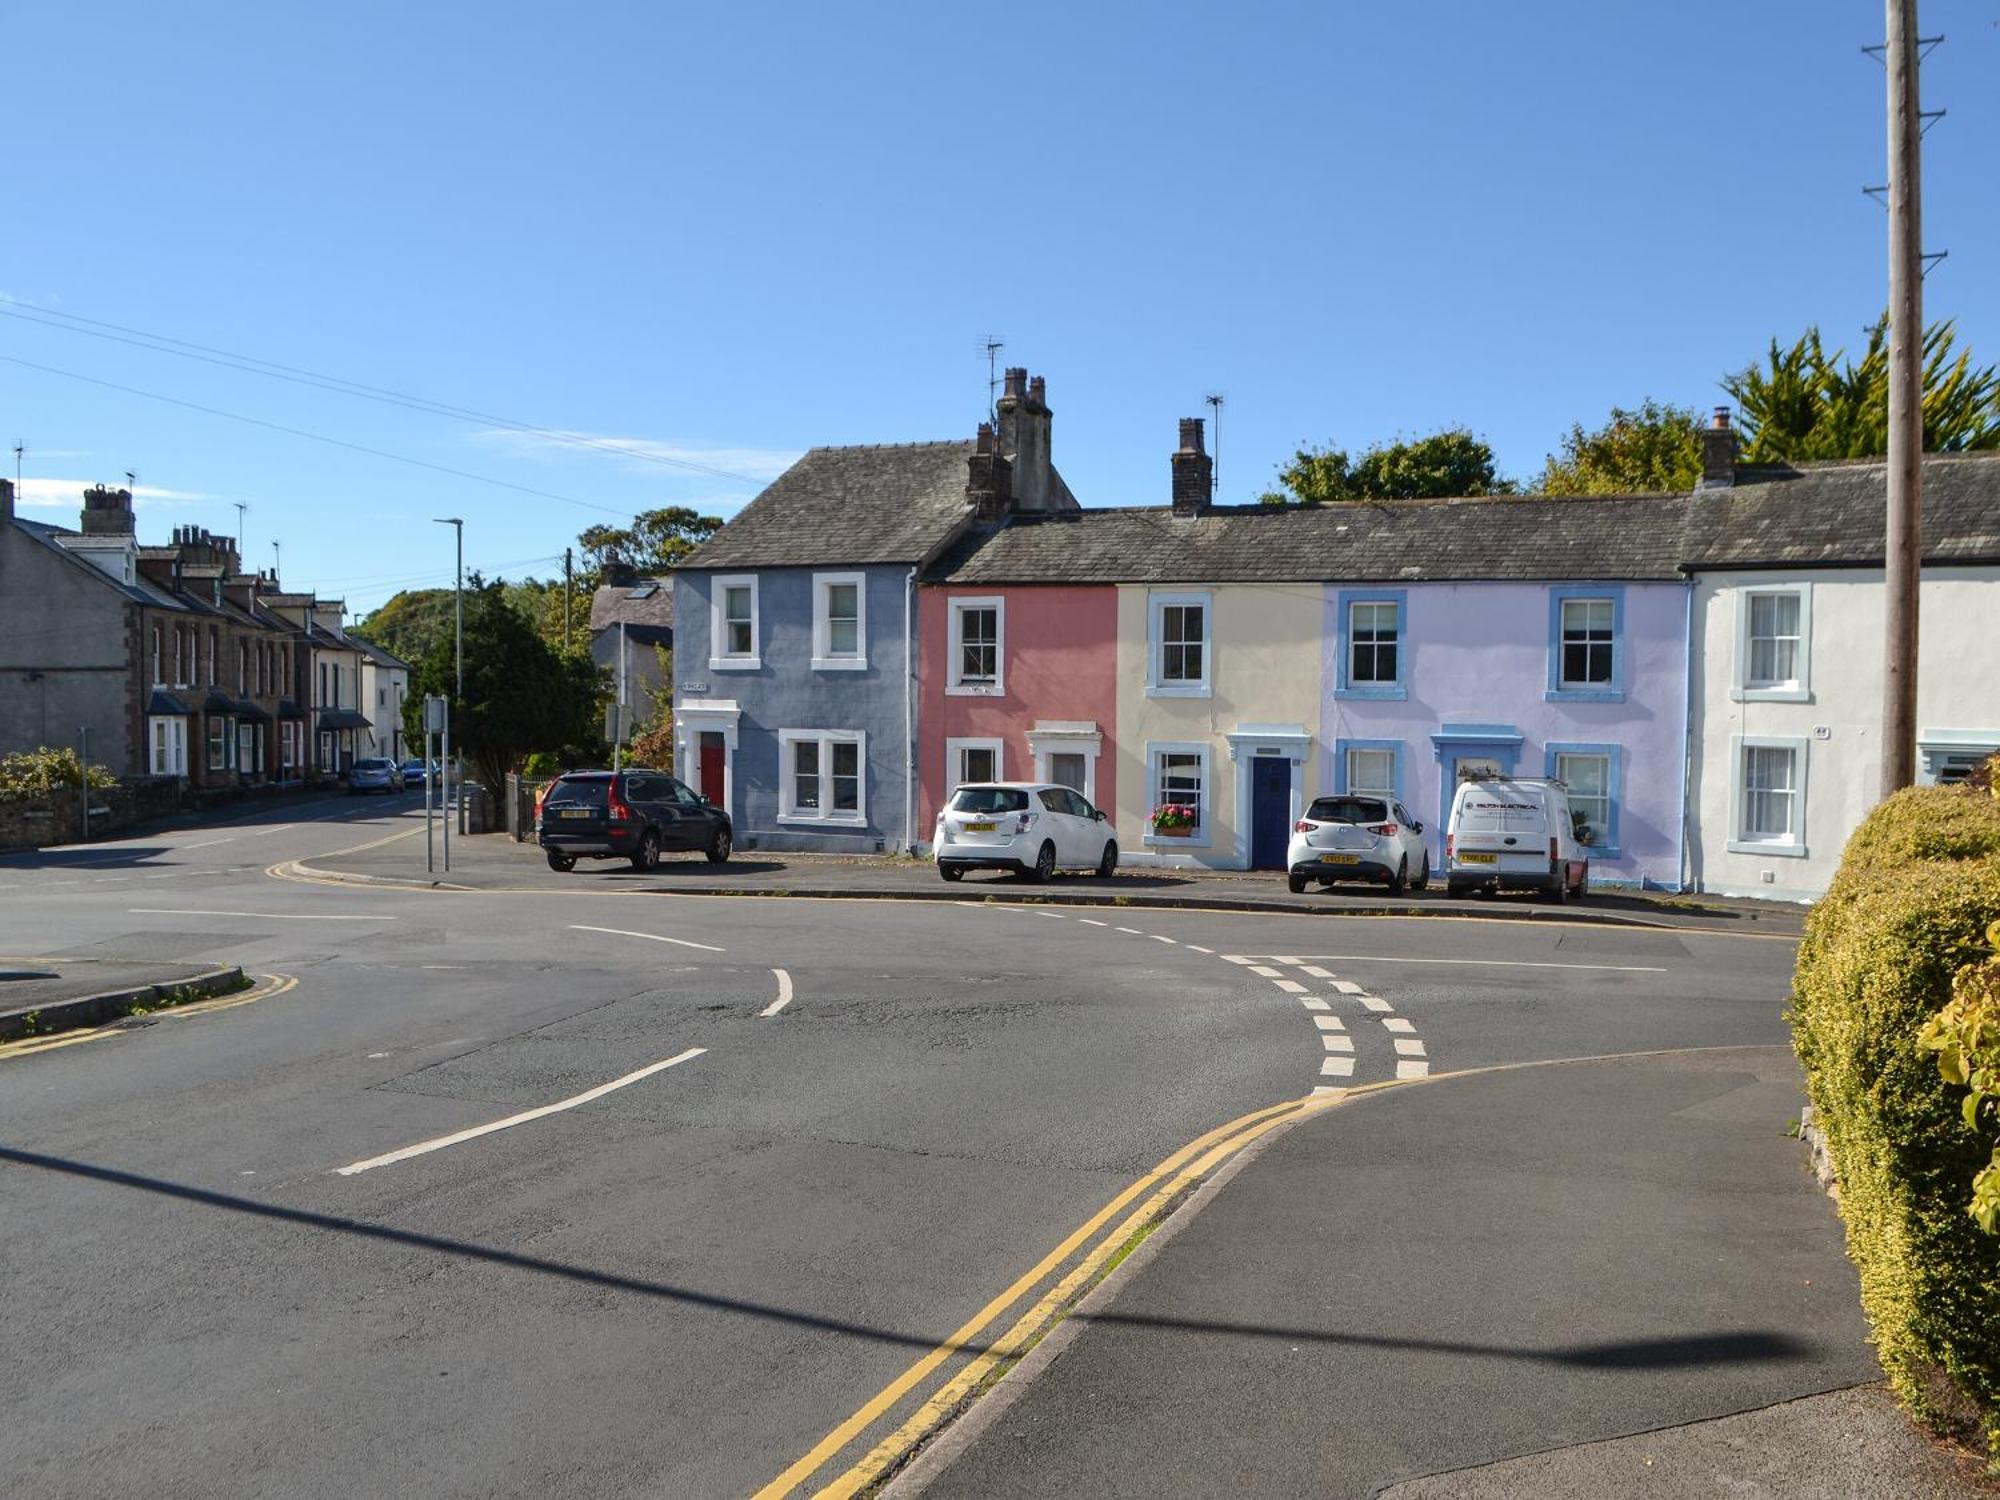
<point x="1787" y="676"/>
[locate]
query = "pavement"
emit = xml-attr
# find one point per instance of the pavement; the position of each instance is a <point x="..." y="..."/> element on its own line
<point x="43" y="995"/>
<point x="496" y="862"/>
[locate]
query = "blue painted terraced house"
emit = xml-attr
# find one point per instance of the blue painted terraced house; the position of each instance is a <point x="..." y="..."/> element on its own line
<point x="795" y="626"/>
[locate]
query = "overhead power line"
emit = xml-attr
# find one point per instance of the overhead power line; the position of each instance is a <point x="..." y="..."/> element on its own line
<point x="250" y="364"/>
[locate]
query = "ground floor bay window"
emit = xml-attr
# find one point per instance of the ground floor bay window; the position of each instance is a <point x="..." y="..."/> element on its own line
<point x="167" y="739"/>
<point x="820" y="777"/>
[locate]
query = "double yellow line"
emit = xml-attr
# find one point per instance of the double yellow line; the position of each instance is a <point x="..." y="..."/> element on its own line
<point x="1158" y="1188"/>
<point x="266" y="986"/>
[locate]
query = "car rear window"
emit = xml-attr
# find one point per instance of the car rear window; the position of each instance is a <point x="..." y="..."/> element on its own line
<point x="989" y="799"/>
<point x="578" y="793"/>
<point x="1348" y="810"/>
<point x="371" y="765"/>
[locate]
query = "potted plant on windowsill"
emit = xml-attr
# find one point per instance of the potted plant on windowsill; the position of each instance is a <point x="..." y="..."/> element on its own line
<point x="1174" y="820"/>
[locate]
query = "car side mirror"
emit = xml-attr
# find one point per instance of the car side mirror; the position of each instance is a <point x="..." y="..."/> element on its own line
<point x="1098" y="813"/>
<point x="1416" y="828"/>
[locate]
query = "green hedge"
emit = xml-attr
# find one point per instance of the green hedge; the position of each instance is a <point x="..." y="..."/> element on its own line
<point x="1917" y="887"/>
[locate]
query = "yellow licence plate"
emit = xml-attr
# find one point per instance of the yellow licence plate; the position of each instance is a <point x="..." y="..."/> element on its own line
<point x="1478" y="859"/>
<point x="1340" y="859"/>
<point x="574" y="812"/>
<point x="979" y="827"/>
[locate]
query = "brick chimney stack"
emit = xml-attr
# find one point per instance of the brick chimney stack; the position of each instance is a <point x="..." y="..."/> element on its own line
<point x="6" y="501"/>
<point x="108" y="512"/>
<point x="1719" y="447"/>
<point x="1194" y="471"/>
<point x="1023" y="434"/>
<point x="989" y="480"/>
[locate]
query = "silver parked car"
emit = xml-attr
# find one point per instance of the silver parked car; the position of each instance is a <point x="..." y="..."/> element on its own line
<point x="374" y="774"/>
<point x="1353" y="837"/>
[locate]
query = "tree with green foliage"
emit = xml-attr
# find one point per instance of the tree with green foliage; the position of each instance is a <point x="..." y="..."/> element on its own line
<point x="521" y="694"/>
<point x="653" y="543"/>
<point x="1446" y="463"/>
<point x="1651" y="447"/>
<point x="409" y="623"/>
<point x="1803" y="403"/>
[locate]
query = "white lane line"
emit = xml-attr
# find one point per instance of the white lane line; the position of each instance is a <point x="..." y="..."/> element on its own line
<point x="204" y="844"/>
<point x="1197" y="948"/>
<point x="1486" y="963"/>
<point x="1088" y="922"/>
<point x="1411" y="1068"/>
<point x="1263" y="971"/>
<point x="262" y="916"/>
<point x="1158" y="939"/>
<point x="421" y="1147"/>
<point x="1337" y="1067"/>
<point x="1284" y="958"/>
<point x="1290" y="986"/>
<point x="1329" y="1023"/>
<point x="1409" y="1046"/>
<point x="1373" y="1004"/>
<point x="1347" y="986"/>
<point x="784" y="995"/>
<point x="1334" y="1042"/>
<point x="651" y="937"/>
<point x="1237" y="958"/>
<point x="1133" y="930"/>
<point x="1316" y="971"/>
<point x="1323" y="1088"/>
<point x="1396" y="1023"/>
<point x="1054" y="916"/>
<point x="1315" y="1004"/>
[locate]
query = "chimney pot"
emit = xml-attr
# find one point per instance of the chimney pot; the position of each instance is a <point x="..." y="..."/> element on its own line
<point x="1016" y="385"/>
<point x="984" y="442"/>
<point x="1038" y="391"/>
<point x="1191" y="439"/>
<point x="1721" y="417"/>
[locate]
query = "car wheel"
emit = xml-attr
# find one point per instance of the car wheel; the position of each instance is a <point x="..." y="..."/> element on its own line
<point x="1400" y="881"/>
<point x="1423" y="880"/>
<point x="1045" y="863"/>
<point x="647" y="855"/>
<point x="1297" y="883"/>
<point x="562" y="864"/>
<point x="718" y="847"/>
<point x="950" y="872"/>
<point x="1107" y="863"/>
<point x="1558" y="893"/>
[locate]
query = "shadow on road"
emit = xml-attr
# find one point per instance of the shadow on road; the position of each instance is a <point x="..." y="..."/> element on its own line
<point x="89" y="857"/>
<point x="1738" y="1347"/>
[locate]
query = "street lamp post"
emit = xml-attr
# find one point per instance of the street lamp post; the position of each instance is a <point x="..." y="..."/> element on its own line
<point x="458" y="653"/>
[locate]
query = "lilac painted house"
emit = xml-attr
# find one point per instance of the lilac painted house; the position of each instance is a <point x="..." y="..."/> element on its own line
<point x="1531" y="636"/>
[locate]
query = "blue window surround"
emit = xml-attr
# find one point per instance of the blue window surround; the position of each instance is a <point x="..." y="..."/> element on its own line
<point x="1614" y="782"/>
<point x="1499" y="743"/>
<point x="1612" y="692"/>
<point x="1343" y="660"/>
<point x="1340" y="749"/>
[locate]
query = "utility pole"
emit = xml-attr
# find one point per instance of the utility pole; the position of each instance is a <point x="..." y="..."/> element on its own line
<point x="569" y="564"/>
<point x="277" y="558"/>
<point x="1902" y="560"/>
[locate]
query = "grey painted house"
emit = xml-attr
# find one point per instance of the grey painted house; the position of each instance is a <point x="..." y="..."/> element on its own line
<point x="630" y="617"/>
<point x="794" y="693"/>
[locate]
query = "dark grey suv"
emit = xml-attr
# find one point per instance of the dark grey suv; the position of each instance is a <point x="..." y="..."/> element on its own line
<point x="635" y="815"/>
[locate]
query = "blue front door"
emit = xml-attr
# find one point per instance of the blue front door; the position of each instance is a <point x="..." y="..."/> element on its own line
<point x="1270" y="811"/>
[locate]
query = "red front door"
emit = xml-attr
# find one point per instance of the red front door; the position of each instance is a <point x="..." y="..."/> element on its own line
<point x="711" y="766"/>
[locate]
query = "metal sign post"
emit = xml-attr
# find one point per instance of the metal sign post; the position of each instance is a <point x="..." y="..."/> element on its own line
<point x="437" y="721"/>
<point x="83" y="787"/>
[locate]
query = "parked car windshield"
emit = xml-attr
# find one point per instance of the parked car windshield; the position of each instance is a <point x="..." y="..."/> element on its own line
<point x="1348" y="810"/>
<point x="989" y="799"/>
<point x="579" y="791"/>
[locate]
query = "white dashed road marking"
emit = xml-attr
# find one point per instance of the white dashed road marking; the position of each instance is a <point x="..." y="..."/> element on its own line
<point x="1412" y="1056"/>
<point x="784" y="995"/>
<point x="1396" y="1023"/>
<point x="651" y="937"/>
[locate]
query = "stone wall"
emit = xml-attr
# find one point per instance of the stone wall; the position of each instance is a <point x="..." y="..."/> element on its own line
<point x="57" y="817"/>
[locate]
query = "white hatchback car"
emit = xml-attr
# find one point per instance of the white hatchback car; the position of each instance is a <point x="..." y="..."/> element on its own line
<point x="1357" y="837"/>
<point x="1033" y="828"/>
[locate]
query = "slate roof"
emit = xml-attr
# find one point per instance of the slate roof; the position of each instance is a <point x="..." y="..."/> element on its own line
<point x="1831" y="515"/>
<point x="1504" y="537"/>
<point x="880" y="503"/>
<point x="376" y="654"/>
<point x="612" y="603"/>
<point x="140" y="591"/>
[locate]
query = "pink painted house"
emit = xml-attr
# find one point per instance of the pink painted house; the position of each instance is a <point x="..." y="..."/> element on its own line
<point x="1016" y="683"/>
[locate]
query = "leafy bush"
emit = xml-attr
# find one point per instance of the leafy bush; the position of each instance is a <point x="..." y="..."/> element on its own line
<point x="1917" y="888"/>
<point x="1966" y="1037"/>
<point x="28" y="772"/>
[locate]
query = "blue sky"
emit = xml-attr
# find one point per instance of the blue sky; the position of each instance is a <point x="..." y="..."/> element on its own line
<point x="722" y="234"/>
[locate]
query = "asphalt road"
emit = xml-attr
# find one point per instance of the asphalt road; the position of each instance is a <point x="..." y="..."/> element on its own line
<point x="682" y="1285"/>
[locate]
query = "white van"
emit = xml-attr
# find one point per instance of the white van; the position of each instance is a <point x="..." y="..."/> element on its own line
<point x="1509" y="833"/>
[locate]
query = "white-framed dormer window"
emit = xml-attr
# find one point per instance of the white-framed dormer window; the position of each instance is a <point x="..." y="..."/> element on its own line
<point x="735" y="644"/>
<point x="1178" y="641"/>
<point x="822" y="776"/>
<point x="1768" y="812"/>
<point x="840" y="622"/>
<point x="978" y="666"/>
<point x="1774" y="644"/>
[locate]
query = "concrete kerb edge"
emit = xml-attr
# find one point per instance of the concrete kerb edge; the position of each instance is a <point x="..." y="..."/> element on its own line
<point x="109" y="1005"/>
<point x="937" y="1455"/>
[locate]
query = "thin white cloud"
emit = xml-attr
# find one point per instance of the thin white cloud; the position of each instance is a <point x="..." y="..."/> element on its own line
<point x="648" y="454"/>
<point x="67" y="494"/>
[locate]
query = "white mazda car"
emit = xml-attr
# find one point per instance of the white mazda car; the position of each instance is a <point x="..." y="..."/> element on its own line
<point x="1351" y="837"/>
<point x="1033" y="828"/>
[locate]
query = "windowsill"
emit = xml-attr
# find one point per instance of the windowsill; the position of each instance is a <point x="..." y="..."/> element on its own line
<point x="975" y="690"/>
<point x="1384" y="692"/>
<point x="1584" y="695"/>
<point x="836" y="664"/>
<point x="815" y="820"/>
<point x="1770" y="695"/>
<point x="1177" y="690"/>
<point x="735" y="664"/>
<point x="1168" y="841"/>
<point x="1601" y="851"/>
<point x="1753" y="846"/>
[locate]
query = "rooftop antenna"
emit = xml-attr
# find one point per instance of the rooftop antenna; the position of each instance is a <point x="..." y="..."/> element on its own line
<point x="1216" y="399"/>
<point x="993" y="345"/>
<point x="275" y="560"/>
<point x="20" y="447"/>
<point x="241" y="507"/>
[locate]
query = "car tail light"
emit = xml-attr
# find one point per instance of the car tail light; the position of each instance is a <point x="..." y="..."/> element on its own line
<point x="1023" y="822"/>
<point x="1304" y="825"/>
<point x="615" y="805"/>
<point x="1554" y="854"/>
<point x="1449" y="840"/>
<point x="1385" y="829"/>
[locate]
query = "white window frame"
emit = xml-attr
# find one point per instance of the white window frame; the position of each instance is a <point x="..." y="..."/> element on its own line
<point x="1388" y="792"/>
<point x="1600" y="826"/>
<point x="1156" y="750"/>
<point x="954" y="760"/>
<point x="1739" y="747"/>
<point x="1799" y="690"/>
<point x="825" y="739"/>
<point x="955" y="683"/>
<point x="1053" y="737"/>
<point x="1566" y="683"/>
<point x="169" y="759"/>
<point x="720" y="659"/>
<point x="1396" y="643"/>
<point x="823" y="658"/>
<point x="1157" y="685"/>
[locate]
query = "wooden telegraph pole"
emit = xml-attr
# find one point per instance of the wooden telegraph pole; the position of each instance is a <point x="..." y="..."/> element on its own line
<point x="1902" y="559"/>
